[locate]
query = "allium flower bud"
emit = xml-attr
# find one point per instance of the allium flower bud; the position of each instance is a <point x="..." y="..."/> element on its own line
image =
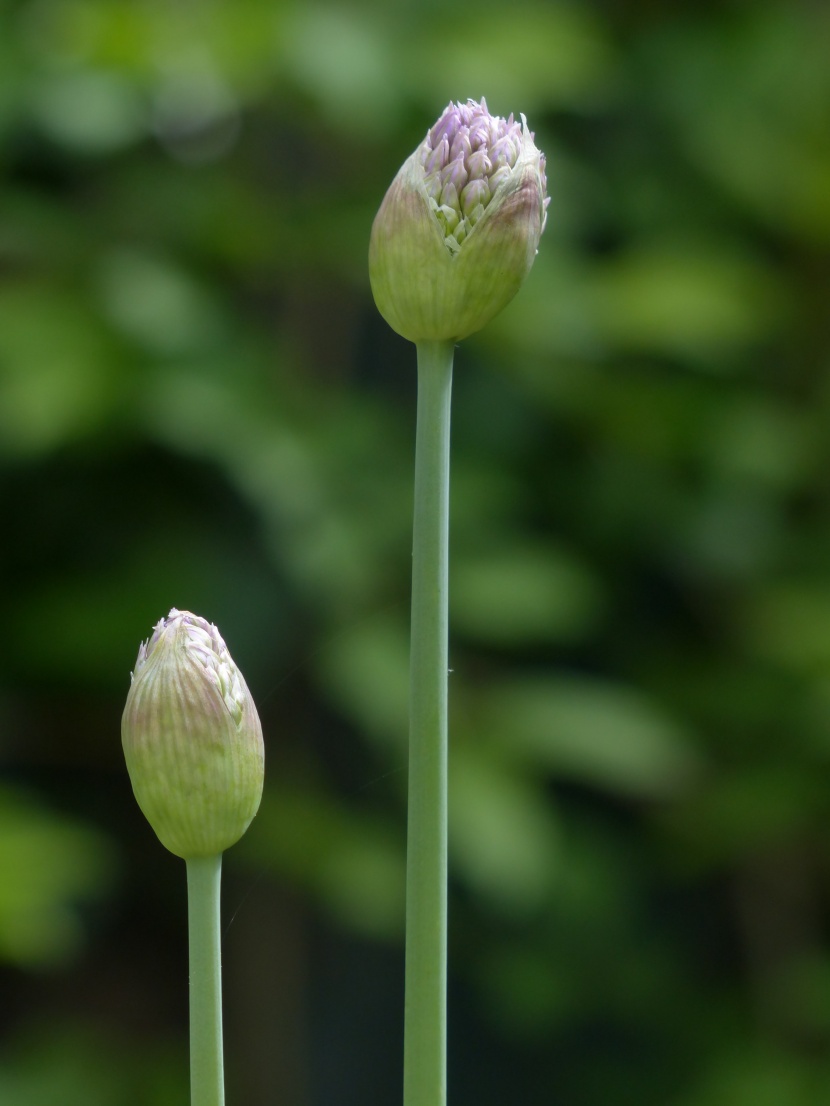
<point x="459" y="228"/>
<point x="192" y="738"/>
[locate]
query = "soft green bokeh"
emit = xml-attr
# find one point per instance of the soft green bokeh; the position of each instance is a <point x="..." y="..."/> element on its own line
<point x="48" y="867"/>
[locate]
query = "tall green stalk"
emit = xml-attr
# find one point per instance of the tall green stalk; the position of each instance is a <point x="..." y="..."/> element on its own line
<point x="425" y="1019"/>
<point x="207" y="1083"/>
<point x="451" y="244"/>
<point x="193" y="744"/>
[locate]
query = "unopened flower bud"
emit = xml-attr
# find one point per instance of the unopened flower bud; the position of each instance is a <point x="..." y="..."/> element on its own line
<point x="192" y="739"/>
<point x="459" y="228"/>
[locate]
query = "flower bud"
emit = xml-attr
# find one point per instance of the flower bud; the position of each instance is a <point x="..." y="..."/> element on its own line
<point x="459" y="228"/>
<point x="192" y="739"/>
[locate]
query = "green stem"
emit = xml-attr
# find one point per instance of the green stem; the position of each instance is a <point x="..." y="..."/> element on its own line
<point x="207" y="1084"/>
<point x="425" y="1018"/>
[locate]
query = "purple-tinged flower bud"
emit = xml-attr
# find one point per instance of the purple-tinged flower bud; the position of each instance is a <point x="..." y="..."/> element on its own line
<point x="505" y="151"/>
<point x="476" y="194"/>
<point x="498" y="175"/>
<point x="461" y="147"/>
<point x="459" y="228"/>
<point x="446" y="127"/>
<point x="192" y="739"/>
<point x="433" y="183"/>
<point x="436" y="158"/>
<point x="479" y="163"/>
<point x="456" y="173"/>
<point x="449" y="196"/>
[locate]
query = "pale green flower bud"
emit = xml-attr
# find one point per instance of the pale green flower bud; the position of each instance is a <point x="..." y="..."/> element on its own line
<point x="192" y="739"/>
<point x="459" y="228"/>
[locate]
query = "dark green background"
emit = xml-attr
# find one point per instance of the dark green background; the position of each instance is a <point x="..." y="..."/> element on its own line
<point x="200" y="407"/>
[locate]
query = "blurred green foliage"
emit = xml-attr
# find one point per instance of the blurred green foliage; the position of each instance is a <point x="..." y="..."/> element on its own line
<point x="199" y="407"/>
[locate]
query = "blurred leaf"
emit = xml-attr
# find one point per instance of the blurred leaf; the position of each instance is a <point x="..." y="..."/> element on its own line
<point x="745" y="814"/>
<point x="94" y="112"/>
<point x="589" y="730"/>
<point x="554" y="54"/>
<point x="47" y="865"/>
<point x="504" y="837"/>
<point x="681" y="301"/>
<point x="159" y="306"/>
<point x="340" y="56"/>
<point x="750" y="96"/>
<point x="789" y="622"/>
<point x="56" y="378"/>
<point x="769" y="1078"/>
<point x="83" y="1065"/>
<point x="352" y="862"/>
<point x="523" y="595"/>
<point x="366" y="667"/>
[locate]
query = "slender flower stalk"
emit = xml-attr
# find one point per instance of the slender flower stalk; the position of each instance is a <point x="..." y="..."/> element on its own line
<point x="454" y="239"/>
<point x="193" y="745"/>
<point x="207" y="1078"/>
<point x="425" y="1031"/>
